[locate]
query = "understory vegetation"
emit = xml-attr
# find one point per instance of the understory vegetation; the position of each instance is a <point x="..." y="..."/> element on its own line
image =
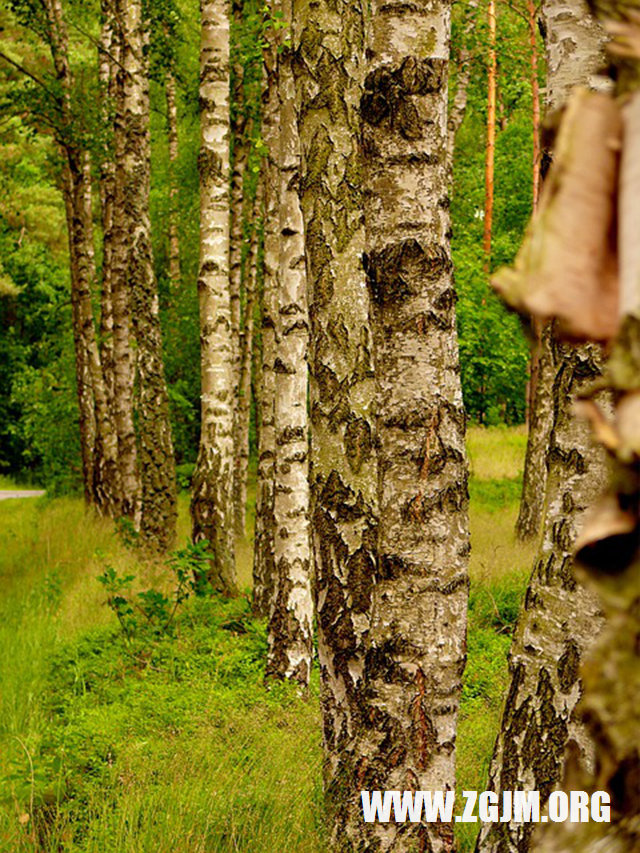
<point x="171" y="741"/>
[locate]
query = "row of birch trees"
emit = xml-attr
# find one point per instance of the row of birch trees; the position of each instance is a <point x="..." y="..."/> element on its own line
<point x="342" y="249"/>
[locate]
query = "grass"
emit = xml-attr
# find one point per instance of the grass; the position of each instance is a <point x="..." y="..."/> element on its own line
<point x="178" y="745"/>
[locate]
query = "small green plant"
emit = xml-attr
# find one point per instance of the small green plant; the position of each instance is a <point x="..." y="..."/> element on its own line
<point x="127" y="532"/>
<point x="152" y="611"/>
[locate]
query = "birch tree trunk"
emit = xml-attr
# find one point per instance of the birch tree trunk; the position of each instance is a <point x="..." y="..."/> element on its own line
<point x="329" y="44"/>
<point x="574" y="55"/>
<point x="243" y="417"/>
<point x="240" y="153"/>
<point x="417" y="644"/>
<point x="540" y="418"/>
<point x="84" y="389"/>
<point x="212" y="501"/>
<point x="264" y="542"/>
<point x="464" y="64"/>
<point x="172" y="123"/>
<point x="560" y="619"/>
<point x="107" y="58"/>
<point x="291" y="618"/>
<point x="124" y="356"/>
<point x="155" y="458"/>
<point x="97" y="428"/>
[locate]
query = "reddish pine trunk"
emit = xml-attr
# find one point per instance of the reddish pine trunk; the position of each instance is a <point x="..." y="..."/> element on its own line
<point x="491" y="136"/>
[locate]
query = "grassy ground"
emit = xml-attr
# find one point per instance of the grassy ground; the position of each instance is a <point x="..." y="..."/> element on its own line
<point x="173" y="743"/>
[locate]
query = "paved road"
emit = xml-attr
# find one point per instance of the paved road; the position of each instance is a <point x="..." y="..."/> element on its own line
<point x="20" y="494"/>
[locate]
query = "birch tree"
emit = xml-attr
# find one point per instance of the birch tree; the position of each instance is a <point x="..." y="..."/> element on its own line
<point x="264" y="540"/>
<point x="98" y="436"/>
<point x="417" y="641"/>
<point x="174" y="150"/>
<point x="291" y="617"/>
<point x="212" y="501"/>
<point x="155" y="454"/>
<point x="329" y="47"/>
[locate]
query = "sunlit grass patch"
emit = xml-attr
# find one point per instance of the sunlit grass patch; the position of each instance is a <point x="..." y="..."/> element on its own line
<point x="183" y="748"/>
<point x="496" y="453"/>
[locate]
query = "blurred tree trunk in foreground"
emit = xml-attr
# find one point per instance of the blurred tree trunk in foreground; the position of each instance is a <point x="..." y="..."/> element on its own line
<point x="608" y="552"/>
<point x="560" y="619"/>
<point x="574" y="54"/>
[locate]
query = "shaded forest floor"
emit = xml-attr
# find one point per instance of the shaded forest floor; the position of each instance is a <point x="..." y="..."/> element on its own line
<point x="170" y="743"/>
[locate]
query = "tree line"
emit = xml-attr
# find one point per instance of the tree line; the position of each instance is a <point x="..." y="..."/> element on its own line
<point x="328" y="346"/>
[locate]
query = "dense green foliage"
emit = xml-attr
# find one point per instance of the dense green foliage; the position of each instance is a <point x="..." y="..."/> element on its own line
<point x="38" y="407"/>
<point x="494" y="353"/>
<point x="174" y="742"/>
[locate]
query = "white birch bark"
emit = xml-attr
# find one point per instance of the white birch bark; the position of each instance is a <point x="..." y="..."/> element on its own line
<point x="417" y="641"/>
<point x="212" y="501"/>
<point x="290" y="625"/>
<point x="329" y="49"/>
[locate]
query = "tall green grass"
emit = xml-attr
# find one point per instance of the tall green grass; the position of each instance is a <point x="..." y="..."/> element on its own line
<point x="184" y="748"/>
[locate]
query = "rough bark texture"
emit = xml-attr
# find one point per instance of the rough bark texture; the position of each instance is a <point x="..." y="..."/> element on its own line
<point x="263" y="559"/>
<point x="97" y="427"/>
<point x="155" y="456"/>
<point x="243" y="413"/>
<point x="212" y="504"/>
<point x="291" y="618"/>
<point x="574" y="54"/>
<point x="172" y="124"/>
<point x="107" y="58"/>
<point x="574" y="48"/>
<point x="417" y="644"/>
<point x="559" y="619"/>
<point x="84" y="390"/>
<point x="540" y="419"/>
<point x="329" y="44"/>
<point x="124" y="356"/>
<point x="239" y="164"/>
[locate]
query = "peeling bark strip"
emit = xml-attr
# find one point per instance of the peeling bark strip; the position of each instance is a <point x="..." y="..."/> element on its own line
<point x="290" y="624"/>
<point x="155" y="456"/>
<point x="329" y="45"/>
<point x="417" y="646"/>
<point x="212" y="501"/>
<point x="559" y="621"/>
